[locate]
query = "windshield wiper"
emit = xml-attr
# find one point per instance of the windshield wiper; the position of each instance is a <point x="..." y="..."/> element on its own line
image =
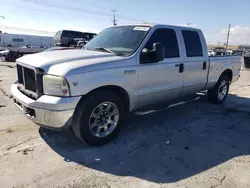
<point x="85" y="48"/>
<point x="104" y="49"/>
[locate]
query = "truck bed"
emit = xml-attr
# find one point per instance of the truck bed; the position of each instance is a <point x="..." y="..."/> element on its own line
<point x="218" y="64"/>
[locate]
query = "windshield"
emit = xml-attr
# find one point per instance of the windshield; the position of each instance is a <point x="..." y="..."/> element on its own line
<point x="120" y="40"/>
<point x="58" y="34"/>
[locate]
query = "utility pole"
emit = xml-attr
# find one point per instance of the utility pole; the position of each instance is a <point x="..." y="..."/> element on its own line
<point x="228" y="33"/>
<point x="188" y="24"/>
<point x="114" y="20"/>
<point x="2" y="32"/>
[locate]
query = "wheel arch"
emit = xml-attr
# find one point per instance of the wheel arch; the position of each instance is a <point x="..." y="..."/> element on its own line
<point x="229" y="73"/>
<point x="121" y="92"/>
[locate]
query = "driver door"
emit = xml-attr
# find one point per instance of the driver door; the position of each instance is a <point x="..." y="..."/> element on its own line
<point x="161" y="82"/>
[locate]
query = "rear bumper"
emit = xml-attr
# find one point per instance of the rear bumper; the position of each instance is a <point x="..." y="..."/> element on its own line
<point x="49" y="111"/>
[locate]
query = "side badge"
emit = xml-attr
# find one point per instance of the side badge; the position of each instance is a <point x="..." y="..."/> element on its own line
<point x="74" y="83"/>
<point x="127" y="72"/>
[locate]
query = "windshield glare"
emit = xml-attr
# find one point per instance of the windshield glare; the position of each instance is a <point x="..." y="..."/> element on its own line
<point x="58" y="34"/>
<point x="121" y="39"/>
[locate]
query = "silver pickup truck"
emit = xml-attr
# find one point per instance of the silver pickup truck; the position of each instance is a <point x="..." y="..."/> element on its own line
<point x="122" y="69"/>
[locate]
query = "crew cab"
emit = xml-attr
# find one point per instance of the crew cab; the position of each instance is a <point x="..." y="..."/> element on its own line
<point x="123" y="69"/>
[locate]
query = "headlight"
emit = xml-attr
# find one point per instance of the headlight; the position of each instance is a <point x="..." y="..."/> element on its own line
<point x="55" y="85"/>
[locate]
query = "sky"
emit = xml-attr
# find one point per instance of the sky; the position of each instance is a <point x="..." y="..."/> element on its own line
<point x="45" y="17"/>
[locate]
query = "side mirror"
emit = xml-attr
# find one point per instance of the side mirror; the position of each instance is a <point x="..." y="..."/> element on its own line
<point x="159" y="50"/>
<point x="153" y="56"/>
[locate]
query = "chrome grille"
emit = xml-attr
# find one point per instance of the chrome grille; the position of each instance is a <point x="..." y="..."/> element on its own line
<point x="30" y="81"/>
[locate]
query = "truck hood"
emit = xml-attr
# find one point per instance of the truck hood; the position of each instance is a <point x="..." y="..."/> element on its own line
<point x="59" y="62"/>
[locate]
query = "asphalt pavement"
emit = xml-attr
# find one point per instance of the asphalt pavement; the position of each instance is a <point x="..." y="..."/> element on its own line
<point x="193" y="145"/>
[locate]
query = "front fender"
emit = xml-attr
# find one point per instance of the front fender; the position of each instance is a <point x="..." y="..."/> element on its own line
<point x="82" y="84"/>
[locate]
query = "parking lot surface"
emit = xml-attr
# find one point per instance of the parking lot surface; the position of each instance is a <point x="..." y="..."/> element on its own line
<point x="193" y="145"/>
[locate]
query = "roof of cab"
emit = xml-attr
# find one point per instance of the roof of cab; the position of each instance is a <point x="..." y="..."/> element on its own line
<point x="158" y="25"/>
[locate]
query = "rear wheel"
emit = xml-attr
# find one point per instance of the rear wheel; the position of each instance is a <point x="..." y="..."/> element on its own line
<point x="219" y="92"/>
<point x="98" y="117"/>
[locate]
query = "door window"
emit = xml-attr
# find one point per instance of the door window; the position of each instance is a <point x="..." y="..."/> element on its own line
<point x="192" y="43"/>
<point x="167" y="37"/>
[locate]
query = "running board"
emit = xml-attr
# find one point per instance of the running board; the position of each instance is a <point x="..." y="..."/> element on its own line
<point x="142" y="113"/>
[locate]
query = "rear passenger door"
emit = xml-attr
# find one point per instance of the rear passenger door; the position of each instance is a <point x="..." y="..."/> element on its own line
<point x="195" y="62"/>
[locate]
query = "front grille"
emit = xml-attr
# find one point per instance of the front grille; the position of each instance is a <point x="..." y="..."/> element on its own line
<point x="30" y="81"/>
<point x="20" y="74"/>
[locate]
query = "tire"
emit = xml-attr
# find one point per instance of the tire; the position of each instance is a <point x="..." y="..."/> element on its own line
<point x="83" y="117"/>
<point x="222" y="86"/>
<point x="7" y="58"/>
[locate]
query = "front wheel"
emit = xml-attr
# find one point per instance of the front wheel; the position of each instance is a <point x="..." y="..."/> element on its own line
<point x="219" y="92"/>
<point x="7" y="58"/>
<point x="98" y="117"/>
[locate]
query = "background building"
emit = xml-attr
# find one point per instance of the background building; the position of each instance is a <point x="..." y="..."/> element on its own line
<point x="19" y="40"/>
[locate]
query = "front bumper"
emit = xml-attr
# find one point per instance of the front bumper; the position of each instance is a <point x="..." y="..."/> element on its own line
<point x="48" y="111"/>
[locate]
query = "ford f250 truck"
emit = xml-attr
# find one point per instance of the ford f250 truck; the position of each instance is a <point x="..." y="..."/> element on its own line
<point x="122" y="69"/>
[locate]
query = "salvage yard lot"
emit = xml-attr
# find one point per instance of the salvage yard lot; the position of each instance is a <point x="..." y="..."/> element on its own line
<point x="194" y="145"/>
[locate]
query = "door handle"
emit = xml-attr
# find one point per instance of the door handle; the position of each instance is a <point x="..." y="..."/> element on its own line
<point x="204" y="65"/>
<point x="181" y="68"/>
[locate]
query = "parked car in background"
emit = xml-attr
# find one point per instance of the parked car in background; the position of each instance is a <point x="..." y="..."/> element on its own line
<point x="246" y="59"/>
<point x="229" y="52"/>
<point x="219" y="52"/>
<point x="67" y="37"/>
<point x="28" y="46"/>
<point x="3" y="53"/>
<point x="211" y="53"/>
<point x="123" y="69"/>
<point x="238" y="52"/>
<point x="245" y="54"/>
<point x="12" y="53"/>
